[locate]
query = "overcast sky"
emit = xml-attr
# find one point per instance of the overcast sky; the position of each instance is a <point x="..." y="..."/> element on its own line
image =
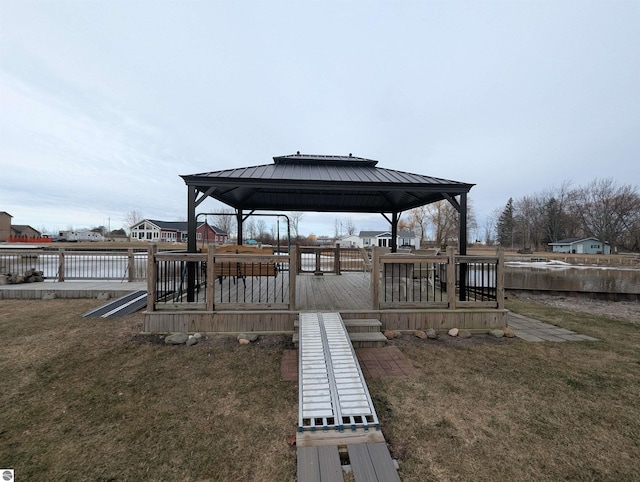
<point x="103" y="104"/>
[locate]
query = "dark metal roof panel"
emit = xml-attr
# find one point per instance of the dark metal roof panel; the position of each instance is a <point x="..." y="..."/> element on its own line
<point x="323" y="184"/>
<point x="318" y="172"/>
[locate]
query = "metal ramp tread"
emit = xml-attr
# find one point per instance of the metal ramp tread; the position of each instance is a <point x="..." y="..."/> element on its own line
<point x="125" y="305"/>
<point x="332" y="390"/>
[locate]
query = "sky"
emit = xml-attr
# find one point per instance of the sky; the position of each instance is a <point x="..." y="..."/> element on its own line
<point x="104" y="104"/>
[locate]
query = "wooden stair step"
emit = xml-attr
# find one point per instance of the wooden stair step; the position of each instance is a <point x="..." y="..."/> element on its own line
<point x="359" y="340"/>
<point x="362" y="325"/>
<point x="355" y="325"/>
<point x="367" y="340"/>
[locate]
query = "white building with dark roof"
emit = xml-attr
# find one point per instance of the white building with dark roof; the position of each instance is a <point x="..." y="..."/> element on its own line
<point x="155" y="231"/>
<point x="367" y="239"/>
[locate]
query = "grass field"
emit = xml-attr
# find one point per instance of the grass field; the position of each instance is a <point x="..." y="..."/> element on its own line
<point x="87" y="399"/>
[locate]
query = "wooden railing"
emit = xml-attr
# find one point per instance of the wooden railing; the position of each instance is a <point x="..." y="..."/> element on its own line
<point x="60" y="264"/>
<point x="329" y="259"/>
<point x="444" y="281"/>
<point x="244" y="281"/>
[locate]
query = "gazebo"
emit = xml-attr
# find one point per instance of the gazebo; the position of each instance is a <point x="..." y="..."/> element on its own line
<point x="221" y="290"/>
<point x="321" y="183"/>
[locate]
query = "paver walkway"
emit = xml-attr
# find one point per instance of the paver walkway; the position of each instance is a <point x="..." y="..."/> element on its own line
<point x="534" y="330"/>
<point x="381" y="362"/>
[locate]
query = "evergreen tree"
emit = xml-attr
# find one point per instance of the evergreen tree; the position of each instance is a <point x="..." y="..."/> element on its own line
<point x="506" y="225"/>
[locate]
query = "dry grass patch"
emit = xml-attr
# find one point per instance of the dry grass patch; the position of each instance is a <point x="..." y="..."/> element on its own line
<point x="88" y="399"/>
<point x="519" y="411"/>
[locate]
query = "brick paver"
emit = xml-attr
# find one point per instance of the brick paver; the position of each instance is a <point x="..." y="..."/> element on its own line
<point x="382" y="362"/>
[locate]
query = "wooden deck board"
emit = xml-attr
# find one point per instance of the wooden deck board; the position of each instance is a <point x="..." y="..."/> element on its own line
<point x="332" y="292"/>
<point x="319" y="464"/>
<point x="361" y="463"/>
<point x="372" y="462"/>
<point x="330" y="469"/>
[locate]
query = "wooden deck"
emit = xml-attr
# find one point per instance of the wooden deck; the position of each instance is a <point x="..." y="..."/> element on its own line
<point x="330" y="292"/>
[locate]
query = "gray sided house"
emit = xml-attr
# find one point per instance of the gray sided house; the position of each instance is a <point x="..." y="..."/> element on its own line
<point x="580" y="246"/>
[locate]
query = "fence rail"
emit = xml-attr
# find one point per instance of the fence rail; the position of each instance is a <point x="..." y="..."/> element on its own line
<point x="452" y="281"/>
<point x="62" y="264"/>
<point x="219" y="281"/>
<point x="252" y="281"/>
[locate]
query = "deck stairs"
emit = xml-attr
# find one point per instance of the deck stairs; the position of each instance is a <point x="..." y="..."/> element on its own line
<point x="363" y="333"/>
<point x="336" y="419"/>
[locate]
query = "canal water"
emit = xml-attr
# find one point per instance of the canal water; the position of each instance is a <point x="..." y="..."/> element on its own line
<point x="559" y="276"/>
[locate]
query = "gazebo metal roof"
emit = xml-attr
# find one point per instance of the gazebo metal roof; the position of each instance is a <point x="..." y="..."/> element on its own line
<point x="321" y="183"/>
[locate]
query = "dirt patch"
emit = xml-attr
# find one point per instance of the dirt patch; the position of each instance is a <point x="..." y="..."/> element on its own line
<point x="446" y="340"/>
<point x="218" y="341"/>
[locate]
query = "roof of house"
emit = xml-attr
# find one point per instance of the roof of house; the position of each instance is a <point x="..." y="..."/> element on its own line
<point x="18" y="228"/>
<point x="573" y="241"/>
<point x="321" y="183"/>
<point x="373" y="234"/>
<point x="178" y="225"/>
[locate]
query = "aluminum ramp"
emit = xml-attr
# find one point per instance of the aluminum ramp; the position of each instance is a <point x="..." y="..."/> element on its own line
<point x="332" y="390"/>
<point x="123" y="306"/>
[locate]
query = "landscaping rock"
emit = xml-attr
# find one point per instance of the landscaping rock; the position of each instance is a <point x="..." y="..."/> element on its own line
<point x="431" y="333"/>
<point x="192" y="340"/>
<point x="176" y="339"/>
<point x="243" y="341"/>
<point x="497" y="333"/>
<point x="508" y="332"/>
<point x="197" y="336"/>
<point x="247" y="336"/>
<point x="453" y="332"/>
<point x="420" y="334"/>
<point x="389" y="334"/>
<point x="464" y="334"/>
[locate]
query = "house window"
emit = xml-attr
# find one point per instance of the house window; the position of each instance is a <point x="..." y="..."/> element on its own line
<point x="149" y="235"/>
<point x="199" y="236"/>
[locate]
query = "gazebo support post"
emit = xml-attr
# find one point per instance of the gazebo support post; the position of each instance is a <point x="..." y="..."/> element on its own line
<point x="239" y="221"/>
<point x="191" y="241"/>
<point x="394" y="232"/>
<point x="463" y="245"/>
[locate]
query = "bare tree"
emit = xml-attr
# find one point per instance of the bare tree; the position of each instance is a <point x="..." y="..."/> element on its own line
<point x="418" y="221"/>
<point x="442" y="215"/>
<point x="225" y="220"/>
<point x="557" y="223"/>
<point x="131" y="218"/>
<point x="294" y="219"/>
<point x="349" y="226"/>
<point x="606" y="209"/>
<point x="261" y="228"/>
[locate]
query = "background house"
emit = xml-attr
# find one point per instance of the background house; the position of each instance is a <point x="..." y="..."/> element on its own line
<point x="24" y="231"/>
<point x="16" y="232"/>
<point x="580" y="246"/>
<point x="5" y="226"/>
<point x="152" y="230"/>
<point x="366" y="239"/>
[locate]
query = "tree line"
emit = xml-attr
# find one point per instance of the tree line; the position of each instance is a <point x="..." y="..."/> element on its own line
<point x="603" y="209"/>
